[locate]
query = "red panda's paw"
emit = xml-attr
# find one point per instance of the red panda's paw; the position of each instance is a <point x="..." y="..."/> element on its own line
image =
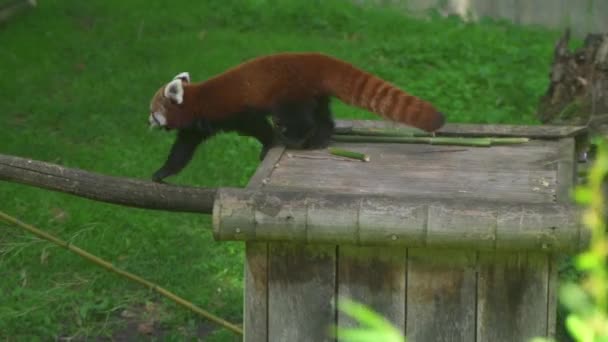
<point x="159" y="181"/>
<point x="159" y="176"/>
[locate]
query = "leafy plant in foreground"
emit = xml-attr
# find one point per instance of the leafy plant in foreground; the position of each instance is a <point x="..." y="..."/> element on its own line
<point x="587" y="299"/>
<point x="372" y="326"/>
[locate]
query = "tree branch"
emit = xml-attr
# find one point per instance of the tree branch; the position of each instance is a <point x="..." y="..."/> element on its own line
<point x="118" y="190"/>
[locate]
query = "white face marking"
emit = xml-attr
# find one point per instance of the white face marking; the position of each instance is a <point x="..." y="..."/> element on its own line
<point x="157" y="119"/>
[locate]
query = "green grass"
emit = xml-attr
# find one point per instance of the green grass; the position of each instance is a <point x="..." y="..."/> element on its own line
<point x="75" y="81"/>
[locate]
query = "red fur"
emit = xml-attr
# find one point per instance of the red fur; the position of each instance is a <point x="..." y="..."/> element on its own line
<point x="267" y="81"/>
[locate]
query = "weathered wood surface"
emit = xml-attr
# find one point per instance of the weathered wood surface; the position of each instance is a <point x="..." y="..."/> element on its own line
<point x="566" y="171"/>
<point x="525" y="173"/>
<point x="512" y="297"/>
<point x="301" y="297"/>
<point x="98" y="187"/>
<point x="255" y="311"/>
<point x="264" y="171"/>
<point x="475" y="130"/>
<point x="441" y="295"/>
<point x="374" y="276"/>
<point x="316" y="217"/>
<point x="426" y="235"/>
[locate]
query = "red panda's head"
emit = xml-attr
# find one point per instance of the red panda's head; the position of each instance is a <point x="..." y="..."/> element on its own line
<point x="167" y="104"/>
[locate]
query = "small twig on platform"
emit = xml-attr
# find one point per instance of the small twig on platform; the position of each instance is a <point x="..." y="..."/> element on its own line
<point x="304" y="156"/>
<point x="348" y="154"/>
<point x="508" y="141"/>
<point x="108" y="266"/>
<point x="457" y="141"/>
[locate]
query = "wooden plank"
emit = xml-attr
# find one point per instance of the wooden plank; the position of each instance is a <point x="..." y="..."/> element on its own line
<point x="305" y="216"/>
<point x="265" y="169"/>
<point x="477" y="130"/>
<point x="374" y="276"/>
<point x="512" y="296"/>
<point x="383" y="221"/>
<point x="440" y="295"/>
<point x="301" y="283"/>
<point x="255" y="306"/>
<point x="522" y="173"/>
<point x="255" y="311"/>
<point x="566" y="176"/>
<point x="453" y="227"/>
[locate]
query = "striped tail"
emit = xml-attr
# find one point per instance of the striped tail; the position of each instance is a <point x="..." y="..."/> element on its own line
<point x="362" y="89"/>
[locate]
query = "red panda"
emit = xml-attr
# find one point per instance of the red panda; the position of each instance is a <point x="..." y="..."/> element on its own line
<point x="294" y="88"/>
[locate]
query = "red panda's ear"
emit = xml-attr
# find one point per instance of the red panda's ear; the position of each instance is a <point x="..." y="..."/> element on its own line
<point x="184" y="76"/>
<point x="175" y="91"/>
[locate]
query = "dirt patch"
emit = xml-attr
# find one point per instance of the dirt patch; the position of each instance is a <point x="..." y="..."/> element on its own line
<point x="144" y="323"/>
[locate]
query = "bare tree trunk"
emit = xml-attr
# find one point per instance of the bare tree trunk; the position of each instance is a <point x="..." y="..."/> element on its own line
<point x="578" y="92"/>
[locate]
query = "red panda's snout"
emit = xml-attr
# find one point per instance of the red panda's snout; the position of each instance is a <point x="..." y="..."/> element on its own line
<point x="157" y="120"/>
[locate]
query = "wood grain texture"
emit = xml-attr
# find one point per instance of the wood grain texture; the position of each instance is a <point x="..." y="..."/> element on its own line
<point x="301" y="284"/>
<point x="477" y="130"/>
<point x="255" y="306"/>
<point x="456" y="226"/>
<point x="324" y="217"/>
<point x="441" y="295"/>
<point x="525" y="173"/>
<point x="522" y="228"/>
<point x="255" y="310"/>
<point x="512" y="296"/>
<point x="264" y="170"/>
<point x="566" y="167"/>
<point x="374" y="276"/>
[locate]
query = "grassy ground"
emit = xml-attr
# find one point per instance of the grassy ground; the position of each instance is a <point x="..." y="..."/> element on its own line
<point x="76" y="78"/>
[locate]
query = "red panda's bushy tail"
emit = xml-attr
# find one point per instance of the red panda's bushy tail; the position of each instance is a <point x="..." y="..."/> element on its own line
<point x="362" y="89"/>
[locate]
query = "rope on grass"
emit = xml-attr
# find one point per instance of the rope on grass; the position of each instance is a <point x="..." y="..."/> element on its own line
<point x="108" y="266"/>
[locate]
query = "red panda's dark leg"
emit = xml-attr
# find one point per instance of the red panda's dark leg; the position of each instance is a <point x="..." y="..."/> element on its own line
<point x="324" y="125"/>
<point x="305" y="124"/>
<point x="257" y="126"/>
<point x="252" y="123"/>
<point x="181" y="153"/>
<point x="295" y="122"/>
